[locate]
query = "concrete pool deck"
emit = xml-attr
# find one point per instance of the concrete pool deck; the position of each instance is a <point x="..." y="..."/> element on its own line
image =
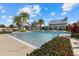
<point x="75" y="46"/>
<point x="11" y="47"/>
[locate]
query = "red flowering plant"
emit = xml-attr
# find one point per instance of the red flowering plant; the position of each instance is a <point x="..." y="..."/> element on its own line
<point x="74" y="29"/>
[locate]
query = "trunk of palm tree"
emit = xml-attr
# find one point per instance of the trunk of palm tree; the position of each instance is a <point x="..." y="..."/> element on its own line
<point x="40" y="26"/>
<point x="23" y="24"/>
<point x="25" y="17"/>
<point x="19" y="26"/>
<point x="40" y="22"/>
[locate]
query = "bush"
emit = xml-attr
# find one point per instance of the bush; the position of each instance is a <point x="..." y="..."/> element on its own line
<point x="22" y="30"/>
<point x="75" y="35"/>
<point x="58" y="46"/>
<point x="5" y="32"/>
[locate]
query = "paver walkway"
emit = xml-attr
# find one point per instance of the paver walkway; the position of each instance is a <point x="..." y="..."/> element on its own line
<point x="75" y="46"/>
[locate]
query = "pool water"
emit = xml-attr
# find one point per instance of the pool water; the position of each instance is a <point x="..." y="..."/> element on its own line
<point x="36" y="38"/>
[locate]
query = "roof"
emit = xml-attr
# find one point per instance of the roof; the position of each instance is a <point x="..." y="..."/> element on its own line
<point x="58" y="21"/>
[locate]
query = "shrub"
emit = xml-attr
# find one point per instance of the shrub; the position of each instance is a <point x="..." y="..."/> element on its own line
<point x="2" y="32"/>
<point x="75" y="35"/>
<point x="58" y="46"/>
<point x="22" y="30"/>
<point x="74" y="28"/>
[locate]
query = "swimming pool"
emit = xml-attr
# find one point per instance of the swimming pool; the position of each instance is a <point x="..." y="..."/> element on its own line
<point x="36" y="38"/>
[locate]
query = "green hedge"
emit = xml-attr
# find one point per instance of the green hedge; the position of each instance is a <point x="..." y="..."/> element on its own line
<point x="5" y="32"/>
<point x="22" y="30"/>
<point x="75" y="35"/>
<point x="58" y="46"/>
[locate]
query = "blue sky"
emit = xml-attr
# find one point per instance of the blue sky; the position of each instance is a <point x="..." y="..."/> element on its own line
<point x="47" y="11"/>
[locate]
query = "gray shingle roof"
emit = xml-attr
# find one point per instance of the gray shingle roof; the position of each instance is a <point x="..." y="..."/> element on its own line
<point x="58" y="21"/>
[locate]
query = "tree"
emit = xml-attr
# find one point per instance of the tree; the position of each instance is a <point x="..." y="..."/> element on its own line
<point x="40" y="23"/>
<point x="34" y="25"/>
<point x="2" y="25"/>
<point x="24" y="18"/>
<point x="11" y="26"/>
<point x="21" y="19"/>
<point x="69" y="28"/>
<point x="74" y="29"/>
<point x="17" y="21"/>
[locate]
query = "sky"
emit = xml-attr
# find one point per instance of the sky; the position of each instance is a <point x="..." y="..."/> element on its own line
<point x="46" y="11"/>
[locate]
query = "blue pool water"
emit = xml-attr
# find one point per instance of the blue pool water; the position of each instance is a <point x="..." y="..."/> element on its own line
<point x="36" y="38"/>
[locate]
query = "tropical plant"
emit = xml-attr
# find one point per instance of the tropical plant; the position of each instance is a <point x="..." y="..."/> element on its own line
<point x="74" y="29"/>
<point x="40" y="23"/>
<point x="69" y="28"/>
<point x="34" y="25"/>
<point x="21" y="20"/>
<point x="2" y="25"/>
<point x="59" y="46"/>
<point x="24" y="17"/>
<point x="11" y="26"/>
<point x="17" y="21"/>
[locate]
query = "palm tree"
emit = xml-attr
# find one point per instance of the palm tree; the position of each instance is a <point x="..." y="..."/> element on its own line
<point x="34" y="25"/>
<point x="40" y="23"/>
<point x="17" y="21"/>
<point x="24" y="17"/>
<point x="2" y="26"/>
<point x="21" y="20"/>
<point x="11" y="26"/>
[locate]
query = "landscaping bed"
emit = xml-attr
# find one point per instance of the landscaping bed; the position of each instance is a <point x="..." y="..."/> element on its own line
<point x="59" y="46"/>
<point x="75" y="35"/>
<point x="2" y="32"/>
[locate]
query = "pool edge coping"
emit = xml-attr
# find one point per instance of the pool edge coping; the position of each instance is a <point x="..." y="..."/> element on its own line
<point x="21" y="41"/>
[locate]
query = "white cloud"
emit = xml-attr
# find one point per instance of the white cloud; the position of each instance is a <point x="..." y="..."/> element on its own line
<point x="46" y="9"/>
<point x="72" y="22"/>
<point x="36" y="8"/>
<point x="30" y="6"/>
<point x="49" y="19"/>
<point x="68" y="6"/>
<point x="53" y="13"/>
<point x="33" y="15"/>
<point x="3" y="11"/>
<point x="32" y="10"/>
<point x="9" y="20"/>
<point x="59" y="17"/>
<point x="10" y="17"/>
<point x="30" y="21"/>
<point x="64" y="13"/>
<point x="26" y="9"/>
<point x="3" y="17"/>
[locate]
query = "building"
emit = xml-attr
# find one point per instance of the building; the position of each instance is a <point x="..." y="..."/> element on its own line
<point x="59" y="24"/>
